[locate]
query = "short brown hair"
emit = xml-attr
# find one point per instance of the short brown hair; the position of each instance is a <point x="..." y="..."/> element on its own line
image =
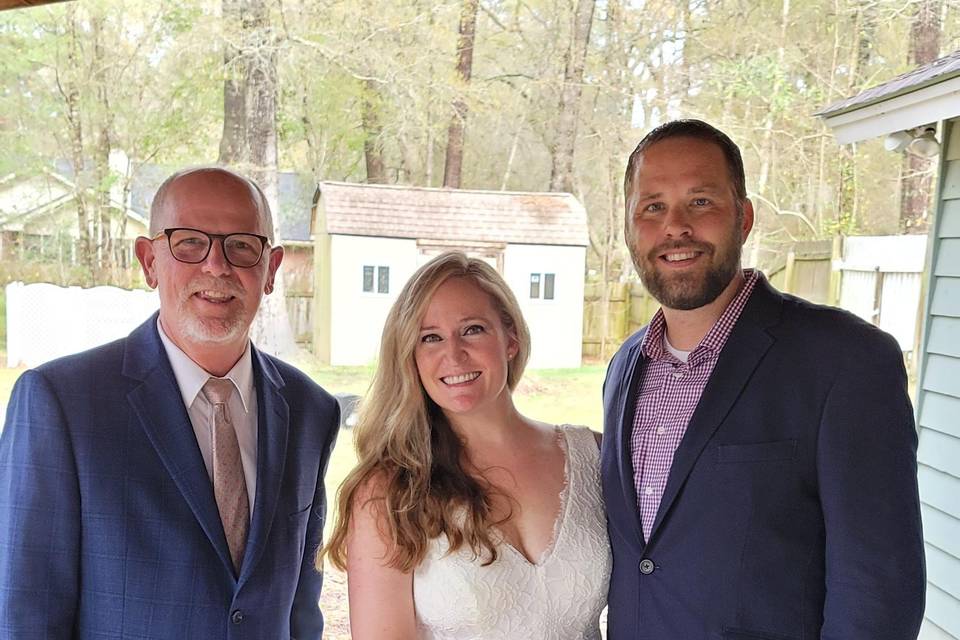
<point x="699" y="130"/>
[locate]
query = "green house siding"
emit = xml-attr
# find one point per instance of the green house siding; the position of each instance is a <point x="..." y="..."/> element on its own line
<point x="938" y="413"/>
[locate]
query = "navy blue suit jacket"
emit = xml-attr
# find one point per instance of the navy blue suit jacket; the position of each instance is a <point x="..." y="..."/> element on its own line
<point x="109" y="524"/>
<point x="791" y="509"/>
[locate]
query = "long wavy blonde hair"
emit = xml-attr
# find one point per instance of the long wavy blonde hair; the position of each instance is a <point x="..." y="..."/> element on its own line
<point x="410" y="461"/>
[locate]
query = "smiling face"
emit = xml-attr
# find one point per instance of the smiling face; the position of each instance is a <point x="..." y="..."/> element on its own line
<point x="685" y="226"/>
<point x="464" y="349"/>
<point x="207" y="308"/>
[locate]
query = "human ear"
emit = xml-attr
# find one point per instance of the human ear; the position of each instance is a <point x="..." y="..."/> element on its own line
<point x="747" y="219"/>
<point x="274" y="260"/>
<point x="143" y="247"/>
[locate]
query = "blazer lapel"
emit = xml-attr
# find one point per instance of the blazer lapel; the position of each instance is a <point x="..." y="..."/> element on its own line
<point x="628" y="399"/>
<point x="158" y="405"/>
<point x="745" y="347"/>
<point x="273" y="424"/>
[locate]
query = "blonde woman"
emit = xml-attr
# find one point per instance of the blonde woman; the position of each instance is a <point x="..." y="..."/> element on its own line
<point x="464" y="518"/>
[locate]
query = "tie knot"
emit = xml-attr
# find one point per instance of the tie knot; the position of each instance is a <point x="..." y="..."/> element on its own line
<point x="218" y="390"/>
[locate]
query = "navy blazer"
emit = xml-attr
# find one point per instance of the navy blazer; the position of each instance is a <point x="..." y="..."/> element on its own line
<point x="791" y="509"/>
<point x="109" y="524"/>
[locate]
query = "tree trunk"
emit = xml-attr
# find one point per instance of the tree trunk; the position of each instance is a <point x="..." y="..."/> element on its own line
<point x="71" y="96"/>
<point x="770" y="118"/>
<point x="453" y="166"/>
<point x="231" y="142"/>
<point x="372" y="133"/>
<point x="102" y="236"/>
<point x="606" y="241"/>
<point x="561" y="174"/>
<point x="510" y="157"/>
<point x="815" y="195"/>
<point x="249" y="141"/>
<point x="848" y="201"/>
<point x="917" y="172"/>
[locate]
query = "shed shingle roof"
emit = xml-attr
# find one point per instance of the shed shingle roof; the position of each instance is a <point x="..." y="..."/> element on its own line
<point x="453" y="214"/>
<point x="934" y="72"/>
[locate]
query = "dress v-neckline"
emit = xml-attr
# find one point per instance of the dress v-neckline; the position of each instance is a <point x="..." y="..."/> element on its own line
<point x="547" y="552"/>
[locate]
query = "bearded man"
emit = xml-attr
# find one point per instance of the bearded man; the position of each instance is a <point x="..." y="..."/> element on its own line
<point x="170" y="485"/>
<point x="759" y="451"/>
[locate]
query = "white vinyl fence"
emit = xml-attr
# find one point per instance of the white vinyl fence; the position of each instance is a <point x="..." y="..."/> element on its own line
<point x="881" y="282"/>
<point x="45" y="321"/>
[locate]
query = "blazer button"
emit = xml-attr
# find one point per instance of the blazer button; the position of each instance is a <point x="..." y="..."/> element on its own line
<point x="236" y="617"/>
<point x="647" y="566"/>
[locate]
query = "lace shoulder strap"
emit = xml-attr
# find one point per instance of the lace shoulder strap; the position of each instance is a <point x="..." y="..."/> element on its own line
<point x="584" y="452"/>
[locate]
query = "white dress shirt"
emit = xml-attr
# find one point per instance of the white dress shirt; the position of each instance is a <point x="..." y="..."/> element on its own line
<point x="242" y="408"/>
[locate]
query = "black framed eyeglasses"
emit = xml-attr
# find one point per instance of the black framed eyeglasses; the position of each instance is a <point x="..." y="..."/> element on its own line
<point x="193" y="246"/>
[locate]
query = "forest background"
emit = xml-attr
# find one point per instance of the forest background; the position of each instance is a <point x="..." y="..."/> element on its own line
<point x="521" y="95"/>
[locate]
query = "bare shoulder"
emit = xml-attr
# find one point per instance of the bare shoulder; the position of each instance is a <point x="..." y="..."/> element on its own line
<point x="381" y="595"/>
<point x="370" y="496"/>
<point x="370" y="544"/>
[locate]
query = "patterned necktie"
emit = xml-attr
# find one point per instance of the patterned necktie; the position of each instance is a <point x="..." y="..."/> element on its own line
<point x="229" y="484"/>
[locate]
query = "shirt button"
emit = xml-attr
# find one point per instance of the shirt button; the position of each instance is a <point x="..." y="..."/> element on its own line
<point x="648" y="491"/>
<point x="661" y="430"/>
<point x="646" y="566"/>
<point x="236" y="617"/>
<point x="678" y="374"/>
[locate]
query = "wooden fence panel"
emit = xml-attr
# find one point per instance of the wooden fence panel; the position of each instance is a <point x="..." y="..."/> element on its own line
<point x="300" y="310"/>
<point x="629" y="307"/>
<point x="811" y="279"/>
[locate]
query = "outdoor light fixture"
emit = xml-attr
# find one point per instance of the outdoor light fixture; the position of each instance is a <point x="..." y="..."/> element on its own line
<point x="921" y="141"/>
<point x="926" y="143"/>
<point x="897" y="141"/>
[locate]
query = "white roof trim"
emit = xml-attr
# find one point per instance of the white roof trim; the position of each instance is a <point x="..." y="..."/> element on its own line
<point x="931" y="104"/>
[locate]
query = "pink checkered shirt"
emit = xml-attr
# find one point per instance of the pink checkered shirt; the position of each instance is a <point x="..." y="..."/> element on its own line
<point x="669" y="393"/>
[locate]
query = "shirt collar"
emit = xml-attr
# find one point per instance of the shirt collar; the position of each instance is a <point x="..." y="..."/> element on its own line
<point x="652" y="344"/>
<point x="191" y="377"/>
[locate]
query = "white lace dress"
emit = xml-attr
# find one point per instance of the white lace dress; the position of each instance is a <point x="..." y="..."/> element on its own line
<point x="558" y="598"/>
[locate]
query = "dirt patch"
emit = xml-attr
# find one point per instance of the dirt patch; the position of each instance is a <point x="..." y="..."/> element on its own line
<point x="531" y="385"/>
<point x="333" y="603"/>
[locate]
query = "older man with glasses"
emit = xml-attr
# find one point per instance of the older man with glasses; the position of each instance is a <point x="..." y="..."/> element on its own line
<point x="170" y="484"/>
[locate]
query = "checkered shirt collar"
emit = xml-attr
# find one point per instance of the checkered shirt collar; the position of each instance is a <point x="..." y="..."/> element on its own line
<point x="652" y="344"/>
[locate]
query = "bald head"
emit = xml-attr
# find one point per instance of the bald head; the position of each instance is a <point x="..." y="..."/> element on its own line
<point x="182" y="184"/>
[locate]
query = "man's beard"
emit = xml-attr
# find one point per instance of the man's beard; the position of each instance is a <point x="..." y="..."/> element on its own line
<point x="212" y="330"/>
<point x="692" y="290"/>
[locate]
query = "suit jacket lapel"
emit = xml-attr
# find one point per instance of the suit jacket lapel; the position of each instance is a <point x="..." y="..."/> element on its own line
<point x="273" y="423"/>
<point x="745" y="347"/>
<point x="158" y="405"/>
<point x="628" y="400"/>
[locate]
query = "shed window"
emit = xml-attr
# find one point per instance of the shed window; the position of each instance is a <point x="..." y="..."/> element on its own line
<point x="542" y="285"/>
<point x="383" y="279"/>
<point x="534" y="285"/>
<point x="368" y="279"/>
<point x="376" y="279"/>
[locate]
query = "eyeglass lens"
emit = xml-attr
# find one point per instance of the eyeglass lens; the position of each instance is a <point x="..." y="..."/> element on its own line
<point x="240" y="249"/>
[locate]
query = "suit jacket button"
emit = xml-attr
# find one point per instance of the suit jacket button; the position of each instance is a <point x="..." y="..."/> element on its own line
<point x="236" y="617"/>
<point x="647" y="566"/>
